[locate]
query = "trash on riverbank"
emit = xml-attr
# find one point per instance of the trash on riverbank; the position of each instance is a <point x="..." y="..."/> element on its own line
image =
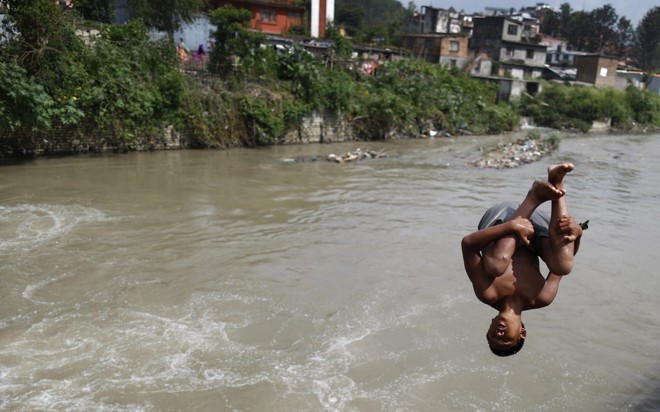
<point x="353" y="156"/>
<point x="515" y="154"/>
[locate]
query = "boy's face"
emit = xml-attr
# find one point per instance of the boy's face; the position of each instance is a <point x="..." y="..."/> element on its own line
<point x="504" y="332"/>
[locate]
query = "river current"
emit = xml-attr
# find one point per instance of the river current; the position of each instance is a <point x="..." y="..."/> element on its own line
<point x="236" y="281"/>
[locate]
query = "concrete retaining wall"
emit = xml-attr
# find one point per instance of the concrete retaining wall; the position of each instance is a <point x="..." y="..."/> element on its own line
<point x="319" y="127"/>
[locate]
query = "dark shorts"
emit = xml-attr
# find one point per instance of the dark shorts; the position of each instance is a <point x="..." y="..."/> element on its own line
<point x="502" y="212"/>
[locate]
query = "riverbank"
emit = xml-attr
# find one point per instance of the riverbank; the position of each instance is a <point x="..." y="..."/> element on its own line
<point x="125" y="92"/>
<point x="316" y="128"/>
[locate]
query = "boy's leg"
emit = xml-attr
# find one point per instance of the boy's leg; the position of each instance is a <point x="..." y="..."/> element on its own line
<point x="557" y="251"/>
<point x="497" y="256"/>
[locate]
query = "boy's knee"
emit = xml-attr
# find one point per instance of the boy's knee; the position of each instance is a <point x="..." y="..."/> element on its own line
<point x="561" y="267"/>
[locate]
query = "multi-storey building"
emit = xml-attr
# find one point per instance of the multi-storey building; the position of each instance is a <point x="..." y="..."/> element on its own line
<point x="513" y="53"/>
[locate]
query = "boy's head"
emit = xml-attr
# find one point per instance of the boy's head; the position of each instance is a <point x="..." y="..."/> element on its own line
<point x="506" y="335"/>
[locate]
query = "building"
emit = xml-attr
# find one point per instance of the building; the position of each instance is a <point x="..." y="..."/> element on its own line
<point x="653" y="83"/>
<point x="597" y="70"/>
<point x="434" y="20"/>
<point x="278" y="16"/>
<point x="513" y="53"/>
<point x="268" y="16"/>
<point x="531" y="26"/>
<point x="445" y="49"/>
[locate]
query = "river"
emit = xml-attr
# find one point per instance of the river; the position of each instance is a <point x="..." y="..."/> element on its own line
<point x="235" y="281"/>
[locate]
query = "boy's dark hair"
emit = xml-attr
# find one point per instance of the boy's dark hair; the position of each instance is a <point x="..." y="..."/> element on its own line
<point x="507" y="351"/>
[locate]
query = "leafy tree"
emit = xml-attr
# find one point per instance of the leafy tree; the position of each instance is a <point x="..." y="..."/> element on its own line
<point x="98" y="10"/>
<point x="363" y="19"/>
<point x="233" y="41"/>
<point x="550" y="23"/>
<point x="603" y="24"/>
<point x="342" y="46"/>
<point x="41" y="36"/>
<point x="625" y="36"/>
<point x="565" y="17"/>
<point x="134" y="83"/>
<point x="647" y="40"/>
<point x="303" y="71"/>
<point x="165" y="15"/>
<point x="352" y="18"/>
<point x="23" y="103"/>
<point x="41" y="39"/>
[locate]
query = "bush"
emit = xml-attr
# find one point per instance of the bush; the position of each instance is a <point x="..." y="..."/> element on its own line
<point x="644" y="106"/>
<point x="498" y="118"/>
<point x="576" y="107"/>
<point x="23" y="103"/>
<point x="264" y="123"/>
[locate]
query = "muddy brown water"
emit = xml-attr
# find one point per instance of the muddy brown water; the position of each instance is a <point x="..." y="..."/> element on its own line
<point x="234" y="281"/>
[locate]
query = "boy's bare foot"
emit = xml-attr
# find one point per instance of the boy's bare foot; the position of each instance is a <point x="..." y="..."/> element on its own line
<point x="543" y="190"/>
<point x="556" y="174"/>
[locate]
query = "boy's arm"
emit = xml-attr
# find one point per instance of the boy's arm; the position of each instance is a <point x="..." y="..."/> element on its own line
<point x="549" y="291"/>
<point x="474" y="243"/>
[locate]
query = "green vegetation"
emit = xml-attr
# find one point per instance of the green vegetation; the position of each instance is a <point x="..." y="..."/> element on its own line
<point x="121" y="89"/>
<point x="565" y="107"/>
<point x="59" y="95"/>
<point x="380" y="22"/>
<point x="647" y="40"/>
<point x="165" y="15"/>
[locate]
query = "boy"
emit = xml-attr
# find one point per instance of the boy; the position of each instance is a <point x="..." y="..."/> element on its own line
<point x="501" y="258"/>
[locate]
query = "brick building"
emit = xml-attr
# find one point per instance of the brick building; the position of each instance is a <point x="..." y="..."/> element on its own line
<point x="597" y="70"/>
<point x="277" y="16"/>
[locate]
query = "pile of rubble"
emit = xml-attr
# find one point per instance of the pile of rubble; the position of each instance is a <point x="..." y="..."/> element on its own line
<point x="517" y="153"/>
<point x="353" y="156"/>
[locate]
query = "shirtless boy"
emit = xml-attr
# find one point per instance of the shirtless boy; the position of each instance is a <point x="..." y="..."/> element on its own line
<point x="501" y="258"/>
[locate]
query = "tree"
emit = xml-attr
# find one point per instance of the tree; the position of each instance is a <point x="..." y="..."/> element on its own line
<point x="166" y="15"/>
<point x="42" y="39"/>
<point x="579" y="31"/>
<point x="363" y="18"/>
<point x="625" y="36"/>
<point x="98" y="10"/>
<point x="603" y="35"/>
<point x="352" y="18"/>
<point x="23" y="103"/>
<point x="232" y="38"/>
<point x="647" y="40"/>
<point x="550" y="23"/>
<point x="565" y="15"/>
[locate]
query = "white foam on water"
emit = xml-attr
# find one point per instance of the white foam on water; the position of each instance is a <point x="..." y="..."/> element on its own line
<point x="31" y="289"/>
<point x="27" y="226"/>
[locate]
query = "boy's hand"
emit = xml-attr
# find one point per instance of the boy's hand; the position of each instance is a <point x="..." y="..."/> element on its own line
<point x="569" y="227"/>
<point x="522" y="228"/>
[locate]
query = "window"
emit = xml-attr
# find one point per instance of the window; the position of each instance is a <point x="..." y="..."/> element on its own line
<point x="452" y="62"/>
<point x="512" y="30"/>
<point x="530" y="54"/>
<point x="453" y="46"/>
<point x="509" y="51"/>
<point x="267" y="16"/>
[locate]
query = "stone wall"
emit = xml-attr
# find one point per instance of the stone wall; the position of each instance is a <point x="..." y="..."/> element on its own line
<point x="317" y="127"/>
<point x="63" y="141"/>
<point x="321" y="127"/>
